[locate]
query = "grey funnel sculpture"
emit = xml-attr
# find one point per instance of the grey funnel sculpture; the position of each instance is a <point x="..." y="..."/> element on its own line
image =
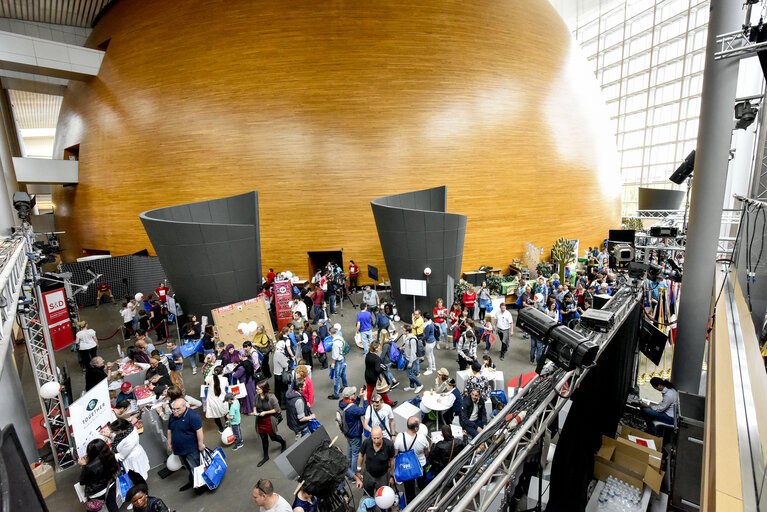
<point x="415" y="233"/>
<point x="210" y="251"/>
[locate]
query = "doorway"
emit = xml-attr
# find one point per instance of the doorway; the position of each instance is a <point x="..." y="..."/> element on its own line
<point x="320" y="259"/>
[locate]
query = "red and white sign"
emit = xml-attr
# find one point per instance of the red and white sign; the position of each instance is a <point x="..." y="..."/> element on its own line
<point x="283" y="293"/>
<point x="57" y="315"/>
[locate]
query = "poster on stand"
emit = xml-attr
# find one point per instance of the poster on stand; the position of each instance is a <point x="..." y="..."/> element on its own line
<point x="57" y="315"/>
<point x="283" y="293"/>
<point x="89" y="414"/>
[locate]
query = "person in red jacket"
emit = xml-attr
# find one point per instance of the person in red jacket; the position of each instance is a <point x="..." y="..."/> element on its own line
<point x="104" y="289"/>
<point x="470" y="301"/>
<point x="354" y="272"/>
<point x="270" y="276"/>
<point x="162" y="293"/>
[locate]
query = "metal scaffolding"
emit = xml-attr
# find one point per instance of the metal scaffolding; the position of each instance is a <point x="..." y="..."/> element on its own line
<point x="473" y="481"/>
<point x="41" y="357"/>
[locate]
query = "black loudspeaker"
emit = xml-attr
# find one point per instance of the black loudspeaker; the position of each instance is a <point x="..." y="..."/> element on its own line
<point x="600" y="300"/>
<point x="652" y="341"/>
<point x="18" y="488"/>
<point x="659" y="231"/>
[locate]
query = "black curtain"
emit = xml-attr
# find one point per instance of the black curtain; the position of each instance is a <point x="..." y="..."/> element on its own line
<point x="596" y="409"/>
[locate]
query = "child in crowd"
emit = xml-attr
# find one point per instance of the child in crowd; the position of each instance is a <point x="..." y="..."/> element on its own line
<point x="487" y="334"/>
<point x="487" y="363"/>
<point x="234" y="419"/>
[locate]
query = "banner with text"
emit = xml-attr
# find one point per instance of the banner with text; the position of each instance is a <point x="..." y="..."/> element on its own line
<point x="89" y="414"/>
<point x="283" y="293"/>
<point x="57" y="315"/>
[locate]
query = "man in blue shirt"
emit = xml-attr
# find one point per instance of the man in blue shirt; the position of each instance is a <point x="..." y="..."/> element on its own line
<point x="365" y="326"/>
<point x="185" y="436"/>
<point x="353" y="414"/>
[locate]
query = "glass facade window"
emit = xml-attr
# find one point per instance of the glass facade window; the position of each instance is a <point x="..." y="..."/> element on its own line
<point x="648" y="55"/>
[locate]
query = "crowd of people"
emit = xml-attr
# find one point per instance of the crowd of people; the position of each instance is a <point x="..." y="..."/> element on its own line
<point x="277" y="370"/>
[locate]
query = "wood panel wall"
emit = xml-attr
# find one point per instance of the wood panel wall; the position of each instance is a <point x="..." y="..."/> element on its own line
<point x="323" y="106"/>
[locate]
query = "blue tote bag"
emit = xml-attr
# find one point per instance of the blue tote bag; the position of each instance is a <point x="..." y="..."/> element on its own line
<point x="406" y="464"/>
<point x="190" y="348"/>
<point x="216" y="469"/>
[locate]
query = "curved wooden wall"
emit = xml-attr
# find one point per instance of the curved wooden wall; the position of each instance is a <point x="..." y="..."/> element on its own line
<point x="323" y="106"/>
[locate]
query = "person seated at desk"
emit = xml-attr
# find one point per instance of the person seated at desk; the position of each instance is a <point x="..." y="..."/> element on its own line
<point x="473" y="414"/>
<point x="487" y="363"/>
<point x="440" y="383"/>
<point x="444" y="451"/>
<point x="123" y="409"/>
<point x="477" y="382"/>
<point x="126" y="392"/>
<point x="447" y="416"/>
<point x="665" y="410"/>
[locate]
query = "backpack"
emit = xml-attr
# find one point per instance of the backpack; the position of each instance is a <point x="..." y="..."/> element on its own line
<point x="341" y="419"/>
<point x="346" y="349"/>
<point x="328" y="343"/>
<point x="420" y="348"/>
<point x="394" y="353"/>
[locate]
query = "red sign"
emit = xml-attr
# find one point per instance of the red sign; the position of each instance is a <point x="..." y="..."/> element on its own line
<point x="57" y="315"/>
<point x="283" y="293"/>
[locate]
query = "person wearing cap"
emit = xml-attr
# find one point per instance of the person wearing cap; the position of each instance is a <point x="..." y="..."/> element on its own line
<point x="448" y="415"/>
<point x="441" y="381"/>
<point x="352" y="414"/>
<point x="234" y="419"/>
<point x="126" y="392"/>
<point x="339" y="362"/>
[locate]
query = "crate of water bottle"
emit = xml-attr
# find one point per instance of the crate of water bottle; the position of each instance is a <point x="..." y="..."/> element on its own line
<point x="619" y="496"/>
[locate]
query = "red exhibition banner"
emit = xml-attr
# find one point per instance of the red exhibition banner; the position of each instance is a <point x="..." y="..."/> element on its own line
<point x="57" y="315"/>
<point x="283" y="293"/>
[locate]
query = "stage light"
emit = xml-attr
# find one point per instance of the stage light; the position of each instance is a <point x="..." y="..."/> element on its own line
<point x="745" y="113"/>
<point x="685" y="170"/>
<point x="566" y="348"/>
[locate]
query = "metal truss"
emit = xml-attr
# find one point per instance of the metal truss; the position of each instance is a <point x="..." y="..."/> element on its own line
<point x="41" y="357"/>
<point x="491" y="462"/>
<point x="737" y="45"/>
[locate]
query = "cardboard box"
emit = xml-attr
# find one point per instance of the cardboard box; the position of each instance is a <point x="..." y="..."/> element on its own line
<point x="628" y="462"/>
<point x="627" y="431"/>
<point x="44" y="478"/>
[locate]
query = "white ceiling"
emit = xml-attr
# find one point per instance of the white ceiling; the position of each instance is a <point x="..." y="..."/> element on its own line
<point x="76" y="13"/>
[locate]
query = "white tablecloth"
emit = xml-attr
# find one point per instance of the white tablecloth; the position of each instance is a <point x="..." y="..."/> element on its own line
<point x="435" y="402"/>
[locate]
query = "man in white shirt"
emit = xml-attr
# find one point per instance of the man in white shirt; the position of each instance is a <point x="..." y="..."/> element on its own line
<point x="413" y="440"/>
<point x="379" y="414"/>
<point x="505" y="325"/>
<point x="338" y="364"/>
<point x="267" y="499"/>
<point x="300" y="306"/>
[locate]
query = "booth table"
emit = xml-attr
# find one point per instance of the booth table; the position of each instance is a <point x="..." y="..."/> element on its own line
<point x="402" y="412"/>
<point x="432" y="401"/>
<point x="495" y="377"/>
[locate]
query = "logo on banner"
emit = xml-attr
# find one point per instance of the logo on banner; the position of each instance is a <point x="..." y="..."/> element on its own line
<point x="91" y="405"/>
<point x="55" y="301"/>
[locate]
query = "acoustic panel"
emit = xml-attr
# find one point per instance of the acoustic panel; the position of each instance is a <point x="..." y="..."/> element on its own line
<point x="210" y="250"/>
<point x="413" y="235"/>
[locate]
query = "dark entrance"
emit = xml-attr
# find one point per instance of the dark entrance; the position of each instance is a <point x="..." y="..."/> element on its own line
<point x="320" y="259"/>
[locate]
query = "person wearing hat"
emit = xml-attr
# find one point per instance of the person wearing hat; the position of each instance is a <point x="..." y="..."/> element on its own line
<point x="448" y="415"/>
<point x="126" y="392"/>
<point x="352" y="414"/>
<point x="441" y="381"/>
<point x="234" y="419"/>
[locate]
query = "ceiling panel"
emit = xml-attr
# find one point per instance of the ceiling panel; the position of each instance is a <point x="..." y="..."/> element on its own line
<point x="77" y="13"/>
<point x="35" y="110"/>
